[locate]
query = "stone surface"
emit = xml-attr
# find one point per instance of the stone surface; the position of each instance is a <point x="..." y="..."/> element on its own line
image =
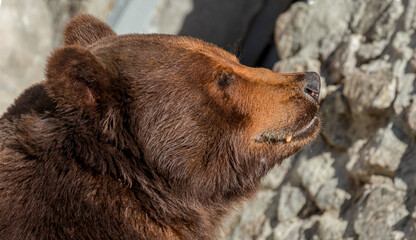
<point x="276" y="176"/>
<point x="370" y="92"/>
<point x="169" y="15"/>
<point x="379" y="155"/>
<point x="335" y="110"/>
<point x="331" y="227"/>
<point x="252" y="218"/>
<point x="317" y="176"/>
<point x="291" y="201"/>
<point x="411" y="117"/>
<point x="316" y="172"/>
<point x="379" y="212"/>
<point x="303" y="28"/>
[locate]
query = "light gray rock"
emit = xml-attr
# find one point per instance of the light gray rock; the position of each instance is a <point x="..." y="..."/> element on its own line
<point x="410" y="16"/>
<point x="315" y="172"/>
<point x="297" y="65"/>
<point x="344" y="61"/>
<point x="168" y="16"/>
<point x="400" y="46"/>
<point x="335" y="110"/>
<point x="379" y="209"/>
<point x="276" y="176"/>
<point x="302" y="29"/>
<point x="252" y="220"/>
<point x="294" y="230"/>
<point x="330" y="196"/>
<point x="405" y="93"/>
<point x="379" y="155"/>
<point x="331" y="227"/>
<point x="367" y="14"/>
<point x="411" y="117"/>
<point x="318" y="177"/>
<point x="386" y="22"/>
<point x="372" y="50"/>
<point x="370" y="92"/>
<point x="291" y="201"/>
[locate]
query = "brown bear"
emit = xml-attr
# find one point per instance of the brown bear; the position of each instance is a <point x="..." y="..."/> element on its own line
<point x="144" y="137"/>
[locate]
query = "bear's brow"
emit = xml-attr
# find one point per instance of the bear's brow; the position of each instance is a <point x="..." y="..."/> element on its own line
<point x="189" y="43"/>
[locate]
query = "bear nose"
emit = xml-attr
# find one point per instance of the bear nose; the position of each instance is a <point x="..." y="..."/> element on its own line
<point x="313" y="85"/>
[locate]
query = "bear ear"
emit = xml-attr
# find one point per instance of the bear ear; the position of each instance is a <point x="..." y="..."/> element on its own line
<point x="76" y="78"/>
<point x="84" y="30"/>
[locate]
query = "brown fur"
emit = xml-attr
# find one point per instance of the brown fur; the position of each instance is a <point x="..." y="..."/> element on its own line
<point x="142" y="137"/>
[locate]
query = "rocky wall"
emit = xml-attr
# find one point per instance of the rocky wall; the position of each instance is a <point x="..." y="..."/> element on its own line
<point x="358" y="179"/>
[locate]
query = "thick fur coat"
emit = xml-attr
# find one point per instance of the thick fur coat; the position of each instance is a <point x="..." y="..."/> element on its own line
<point x="144" y="137"/>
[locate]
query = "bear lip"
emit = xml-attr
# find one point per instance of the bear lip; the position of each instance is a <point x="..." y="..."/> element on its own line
<point x="307" y="130"/>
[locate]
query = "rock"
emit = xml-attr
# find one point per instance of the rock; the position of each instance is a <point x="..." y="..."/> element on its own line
<point x="331" y="227"/>
<point x="302" y="29"/>
<point x="294" y="230"/>
<point x="315" y="172"/>
<point x="411" y="116"/>
<point x="335" y="110"/>
<point x="380" y="155"/>
<point x="367" y="14"/>
<point x="317" y="176"/>
<point x="291" y="201"/>
<point x="276" y="176"/>
<point x="383" y="207"/>
<point x="403" y="51"/>
<point x="400" y="184"/>
<point x="404" y="54"/>
<point x="410" y="16"/>
<point x="297" y="65"/>
<point x="370" y="92"/>
<point x="385" y="25"/>
<point x="252" y="219"/>
<point x="370" y="51"/>
<point x="344" y="62"/>
<point x="330" y="196"/>
<point x="405" y="93"/>
<point x="169" y="16"/>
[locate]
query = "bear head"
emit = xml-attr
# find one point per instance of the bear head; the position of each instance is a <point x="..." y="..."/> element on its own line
<point x="181" y="111"/>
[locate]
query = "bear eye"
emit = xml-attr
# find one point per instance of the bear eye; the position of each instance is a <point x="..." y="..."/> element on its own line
<point x="225" y="79"/>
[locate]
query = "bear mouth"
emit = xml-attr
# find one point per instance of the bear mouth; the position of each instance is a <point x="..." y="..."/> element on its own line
<point x="286" y="137"/>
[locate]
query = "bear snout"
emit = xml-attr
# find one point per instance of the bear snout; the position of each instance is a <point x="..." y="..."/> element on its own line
<point x="313" y="85"/>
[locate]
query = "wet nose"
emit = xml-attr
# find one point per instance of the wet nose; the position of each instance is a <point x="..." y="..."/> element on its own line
<point x="313" y="85"/>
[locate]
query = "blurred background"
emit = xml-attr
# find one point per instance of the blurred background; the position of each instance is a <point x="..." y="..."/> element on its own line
<point x="358" y="180"/>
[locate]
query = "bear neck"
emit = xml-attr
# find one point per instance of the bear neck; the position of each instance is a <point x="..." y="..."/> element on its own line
<point x="186" y="218"/>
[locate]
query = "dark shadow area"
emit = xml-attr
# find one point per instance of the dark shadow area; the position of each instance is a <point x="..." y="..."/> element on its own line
<point x="245" y="27"/>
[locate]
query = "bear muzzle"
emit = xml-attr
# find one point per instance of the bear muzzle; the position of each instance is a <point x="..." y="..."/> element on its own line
<point x="313" y="85"/>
